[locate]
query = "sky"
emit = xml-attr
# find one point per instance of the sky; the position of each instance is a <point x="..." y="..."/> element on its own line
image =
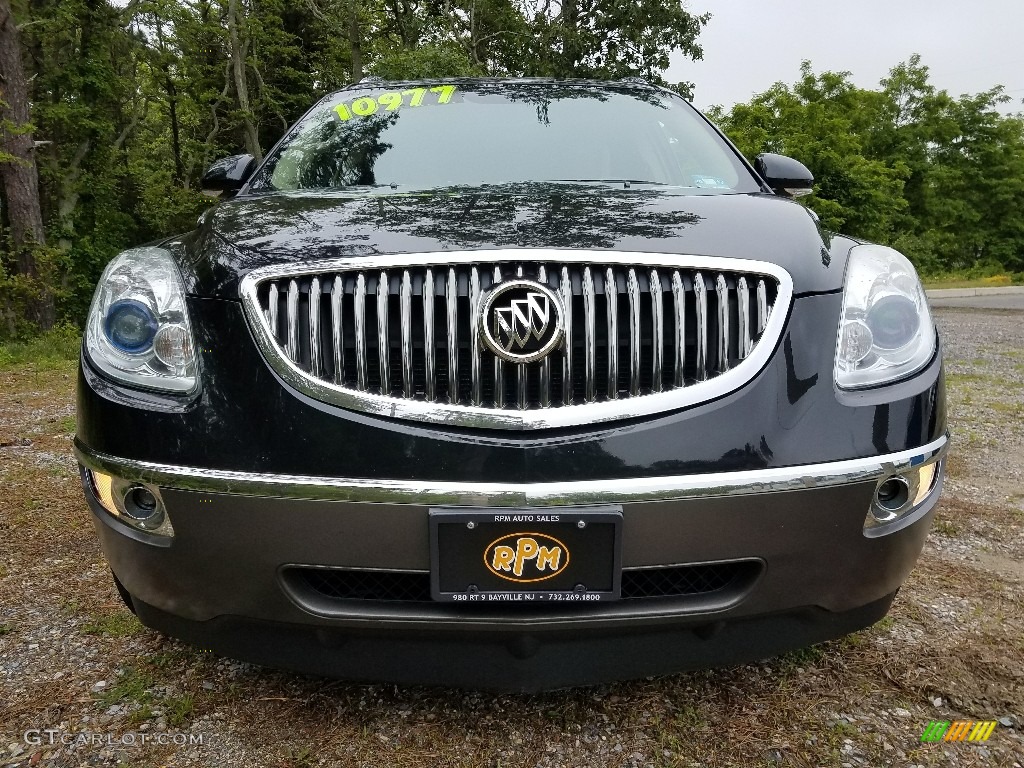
<point x="968" y="46"/>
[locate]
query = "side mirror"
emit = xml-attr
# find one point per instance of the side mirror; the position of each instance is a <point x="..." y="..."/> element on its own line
<point x="786" y="176"/>
<point x="226" y="176"/>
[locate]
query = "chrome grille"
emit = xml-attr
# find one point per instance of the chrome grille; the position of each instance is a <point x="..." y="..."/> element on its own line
<point x="402" y="336"/>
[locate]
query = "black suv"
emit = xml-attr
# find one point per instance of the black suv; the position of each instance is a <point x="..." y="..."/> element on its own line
<point x="512" y="384"/>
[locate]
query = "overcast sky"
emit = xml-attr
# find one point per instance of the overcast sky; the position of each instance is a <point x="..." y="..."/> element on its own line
<point x="751" y="44"/>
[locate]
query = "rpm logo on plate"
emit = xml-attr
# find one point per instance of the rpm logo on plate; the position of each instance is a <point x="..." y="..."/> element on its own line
<point x="526" y="557"/>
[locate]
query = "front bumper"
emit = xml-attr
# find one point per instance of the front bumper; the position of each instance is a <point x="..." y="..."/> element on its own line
<point x="222" y="581"/>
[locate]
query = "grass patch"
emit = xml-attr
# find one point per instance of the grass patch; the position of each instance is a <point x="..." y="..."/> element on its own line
<point x="966" y="378"/>
<point x="946" y="528"/>
<point x="299" y="757"/>
<point x="167" y="659"/>
<point x="6" y="629"/>
<point x="802" y="657"/>
<point x="955" y="280"/>
<point x="67" y="425"/>
<point x="117" y="624"/>
<point x="179" y="709"/>
<point x="47" y="351"/>
<point x="141" y="715"/>
<point x="132" y="686"/>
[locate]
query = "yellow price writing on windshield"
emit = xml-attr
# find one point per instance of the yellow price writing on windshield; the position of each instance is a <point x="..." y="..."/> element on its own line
<point x="391" y="101"/>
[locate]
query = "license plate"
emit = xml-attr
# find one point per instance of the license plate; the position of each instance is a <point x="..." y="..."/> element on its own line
<point x="569" y="554"/>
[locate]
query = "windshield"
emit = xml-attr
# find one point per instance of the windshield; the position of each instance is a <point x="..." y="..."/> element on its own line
<point x="471" y="134"/>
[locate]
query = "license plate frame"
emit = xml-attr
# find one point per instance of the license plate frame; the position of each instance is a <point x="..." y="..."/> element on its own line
<point x="577" y="555"/>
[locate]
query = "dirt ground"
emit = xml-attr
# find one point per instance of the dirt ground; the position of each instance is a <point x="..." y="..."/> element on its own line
<point x="83" y="684"/>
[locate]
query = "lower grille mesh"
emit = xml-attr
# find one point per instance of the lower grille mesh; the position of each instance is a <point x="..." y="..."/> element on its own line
<point x="637" y="584"/>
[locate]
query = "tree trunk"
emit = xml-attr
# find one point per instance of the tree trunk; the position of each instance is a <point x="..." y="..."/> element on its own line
<point x="172" y="106"/>
<point x="355" y="41"/>
<point x="18" y="165"/>
<point x="252" y="141"/>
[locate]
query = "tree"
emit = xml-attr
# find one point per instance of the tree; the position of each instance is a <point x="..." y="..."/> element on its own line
<point x="18" y="167"/>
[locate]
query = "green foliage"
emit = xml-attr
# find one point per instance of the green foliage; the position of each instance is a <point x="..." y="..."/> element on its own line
<point x="438" y="60"/>
<point x="938" y="178"/>
<point x="55" y="348"/>
<point x="21" y="291"/>
<point x="132" y="101"/>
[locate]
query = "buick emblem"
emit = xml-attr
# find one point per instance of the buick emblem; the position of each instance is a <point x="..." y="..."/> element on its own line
<point x="521" y="321"/>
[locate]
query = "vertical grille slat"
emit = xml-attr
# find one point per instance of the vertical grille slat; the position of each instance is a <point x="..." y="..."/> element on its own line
<point x="679" y="301"/>
<point x="315" y="366"/>
<point x="405" y="299"/>
<point x="545" y="364"/>
<point x="474" y="337"/>
<point x="722" y="297"/>
<point x="565" y="289"/>
<point x="383" y="348"/>
<point x="762" y="306"/>
<point x="428" y="335"/>
<point x="700" y="295"/>
<point x="589" y="336"/>
<point x="293" y="321"/>
<point x="743" y="318"/>
<point x="274" y="301"/>
<point x="658" y="331"/>
<point x="633" y="290"/>
<point x="612" y="302"/>
<point x="451" y="294"/>
<point x="360" y="329"/>
<point x="337" y="329"/>
<point x="499" y="365"/>
<point x="413" y="332"/>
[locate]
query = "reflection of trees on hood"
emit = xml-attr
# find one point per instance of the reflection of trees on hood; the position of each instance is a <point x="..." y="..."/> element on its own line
<point x="530" y="215"/>
<point x="533" y="215"/>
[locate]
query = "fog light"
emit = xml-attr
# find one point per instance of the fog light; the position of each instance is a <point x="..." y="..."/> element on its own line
<point x="140" y="504"/>
<point x="134" y="504"/>
<point x="898" y="496"/>
<point x="891" y="498"/>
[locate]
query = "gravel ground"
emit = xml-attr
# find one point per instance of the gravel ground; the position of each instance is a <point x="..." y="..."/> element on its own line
<point x="94" y="688"/>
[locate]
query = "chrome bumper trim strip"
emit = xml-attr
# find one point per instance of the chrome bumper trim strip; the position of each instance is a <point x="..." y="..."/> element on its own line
<point x="426" y="492"/>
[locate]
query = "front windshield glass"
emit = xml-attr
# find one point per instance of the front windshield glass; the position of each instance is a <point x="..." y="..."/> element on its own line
<point x="471" y="134"/>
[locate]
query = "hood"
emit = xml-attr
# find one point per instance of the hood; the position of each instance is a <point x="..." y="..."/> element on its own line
<point x="281" y="228"/>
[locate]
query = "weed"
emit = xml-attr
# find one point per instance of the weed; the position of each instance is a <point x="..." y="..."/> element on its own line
<point x="131" y="686"/>
<point x="179" y="709"/>
<point x="117" y="624"/>
<point x="141" y="715"/>
<point x="6" y="629"/>
<point x="299" y="757"/>
<point x="802" y="657"/>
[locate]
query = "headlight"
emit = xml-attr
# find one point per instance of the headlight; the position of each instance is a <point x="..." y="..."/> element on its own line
<point x="138" y="329"/>
<point x="886" y="330"/>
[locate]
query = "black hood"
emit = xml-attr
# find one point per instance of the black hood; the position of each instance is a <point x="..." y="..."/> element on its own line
<point x="260" y="230"/>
